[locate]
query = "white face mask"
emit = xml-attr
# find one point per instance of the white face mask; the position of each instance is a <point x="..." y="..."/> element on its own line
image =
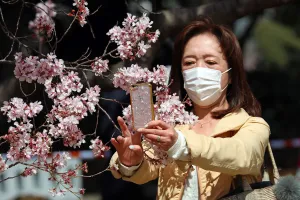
<point x="203" y="85"/>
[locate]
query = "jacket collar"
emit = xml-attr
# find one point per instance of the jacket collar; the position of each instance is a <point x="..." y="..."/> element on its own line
<point x="230" y="122"/>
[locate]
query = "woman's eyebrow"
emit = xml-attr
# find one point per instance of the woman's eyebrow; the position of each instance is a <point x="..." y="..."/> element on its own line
<point x="189" y="56"/>
<point x="210" y="55"/>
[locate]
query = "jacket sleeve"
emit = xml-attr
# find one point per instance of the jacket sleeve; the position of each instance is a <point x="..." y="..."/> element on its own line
<point x="145" y="173"/>
<point x="241" y="154"/>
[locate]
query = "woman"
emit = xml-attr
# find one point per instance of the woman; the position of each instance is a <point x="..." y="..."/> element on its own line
<point x="229" y="138"/>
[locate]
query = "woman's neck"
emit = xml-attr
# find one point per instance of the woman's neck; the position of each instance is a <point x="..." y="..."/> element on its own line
<point x="205" y="113"/>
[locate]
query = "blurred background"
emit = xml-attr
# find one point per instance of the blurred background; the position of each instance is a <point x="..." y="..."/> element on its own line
<point x="269" y="34"/>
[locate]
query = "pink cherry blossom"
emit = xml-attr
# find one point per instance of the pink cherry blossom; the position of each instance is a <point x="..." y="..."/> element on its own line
<point x="98" y="147"/>
<point x="83" y="11"/>
<point x="32" y="68"/>
<point x="43" y="24"/>
<point x="172" y="111"/>
<point x="132" y="37"/>
<point x="67" y="177"/>
<point x="54" y="192"/>
<point x="125" y="77"/>
<point x="3" y="166"/>
<point x="81" y="191"/>
<point x="158" y="76"/>
<point x="17" y="109"/>
<point x="142" y="49"/>
<point x="100" y="66"/>
<point x="60" y="91"/>
<point x="74" y="137"/>
<point x="29" y="171"/>
<point x="46" y="7"/>
<point x="153" y="37"/>
<point x="41" y="145"/>
<point x="91" y="98"/>
<point x="127" y="116"/>
<point x="59" y="161"/>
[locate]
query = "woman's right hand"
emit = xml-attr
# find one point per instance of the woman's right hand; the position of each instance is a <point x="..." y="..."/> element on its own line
<point x="129" y="147"/>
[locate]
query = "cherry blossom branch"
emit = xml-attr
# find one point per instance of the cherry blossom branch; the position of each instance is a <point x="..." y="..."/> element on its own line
<point x="7" y="62"/>
<point x="93" y="60"/>
<point x="11" y="177"/>
<point x="27" y="95"/>
<point x="90" y="176"/>
<point x="12" y="36"/>
<point x="84" y="56"/>
<point x="114" y="100"/>
<point x="10" y="2"/>
<point x="16" y="31"/>
<point x="86" y="79"/>
<point x="108" y="116"/>
<point x="65" y="33"/>
<point x="2" y="143"/>
<point x="105" y="50"/>
<point x="14" y="164"/>
<point x="95" y="10"/>
<point x="75" y="68"/>
<point x="97" y="121"/>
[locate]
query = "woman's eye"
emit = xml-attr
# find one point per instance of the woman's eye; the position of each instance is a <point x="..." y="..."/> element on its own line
<point x="188" y="63"/>
<point x="210" y="62"/>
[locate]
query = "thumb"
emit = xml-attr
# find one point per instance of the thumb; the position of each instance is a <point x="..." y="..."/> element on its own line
<point x="137" y="149"/>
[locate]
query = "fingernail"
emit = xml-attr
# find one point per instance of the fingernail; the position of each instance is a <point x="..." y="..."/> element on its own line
<point x="131" y="147"/>
<point x="146" y="126"/>
<point x="139" y="130"/>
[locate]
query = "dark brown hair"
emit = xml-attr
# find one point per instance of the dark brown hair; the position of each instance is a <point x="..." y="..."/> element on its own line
<point x="239" y="94"/>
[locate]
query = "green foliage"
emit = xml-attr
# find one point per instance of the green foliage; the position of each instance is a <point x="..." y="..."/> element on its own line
<point x="275" y="39"/>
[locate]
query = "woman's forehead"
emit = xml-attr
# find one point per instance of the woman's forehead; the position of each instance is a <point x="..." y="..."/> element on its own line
<point x="205" y="44"/>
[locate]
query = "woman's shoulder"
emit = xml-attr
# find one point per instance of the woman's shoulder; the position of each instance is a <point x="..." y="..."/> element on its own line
<point x="253" y="119"/>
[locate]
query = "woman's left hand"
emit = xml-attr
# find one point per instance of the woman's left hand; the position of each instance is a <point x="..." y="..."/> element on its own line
<point x="160" y="134"/>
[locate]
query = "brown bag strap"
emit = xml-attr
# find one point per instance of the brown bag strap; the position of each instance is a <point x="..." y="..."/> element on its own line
<point x="275" y="169"/>
<point x="245" y="184"/>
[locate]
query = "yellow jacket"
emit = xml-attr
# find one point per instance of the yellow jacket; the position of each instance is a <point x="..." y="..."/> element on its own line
<point x="236" y="147"/>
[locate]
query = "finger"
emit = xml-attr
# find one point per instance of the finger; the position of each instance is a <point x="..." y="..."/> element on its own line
<point x="145" y="131"/>
<point x="120" y="139"/>
<point x="150" y="141"/>
<point x="123" y="126"/>
<point x="155" y="123"/>
<point x="136" y="138"/>
<point x="115" y="143"/>
<point x="155" y="138"/>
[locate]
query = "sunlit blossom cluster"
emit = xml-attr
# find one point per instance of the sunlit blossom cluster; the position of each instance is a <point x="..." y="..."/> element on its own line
<point x="127" y="76"/>
<point x="172" y="111"/>
<point x="16" y="108"/>
<point x="3" y="166"/>
<point x="33" y="68"/>
<point x="127" y="116"/>
<point x="43" y="24"/>
<point x="82" y="12"/>
<point x="68" y="110"/>
<point x="134" y="38"/>
<point x="98" y="147"/>
<point x="99" y="66"/>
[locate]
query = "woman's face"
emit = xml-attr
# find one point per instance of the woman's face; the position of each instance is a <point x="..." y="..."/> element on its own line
<point x="204" y="51"/>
